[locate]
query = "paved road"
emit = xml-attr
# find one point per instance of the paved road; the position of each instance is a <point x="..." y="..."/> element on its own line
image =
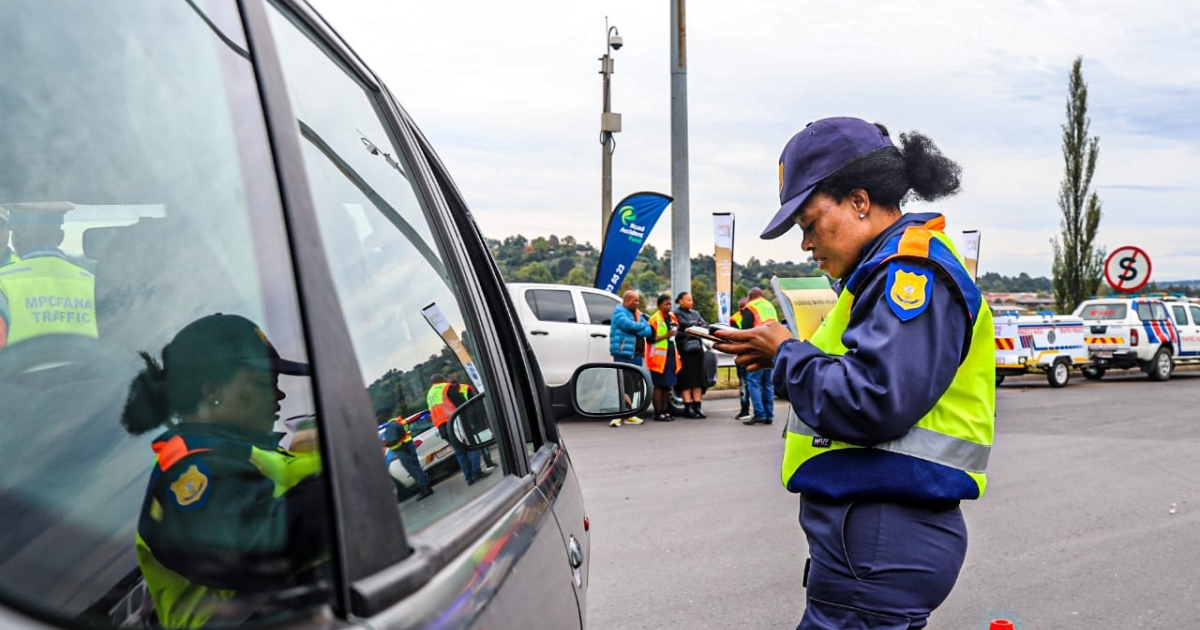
<point x="692" y="530"/>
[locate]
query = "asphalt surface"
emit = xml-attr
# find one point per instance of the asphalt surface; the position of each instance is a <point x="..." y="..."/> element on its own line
<point x="1091" y="519"/>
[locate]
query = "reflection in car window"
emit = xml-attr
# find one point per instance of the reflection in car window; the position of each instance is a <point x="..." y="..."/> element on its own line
<point x="599" y="307"/>
<point x="402" y="306"/>
<point x="550" y="305"/>
<point x="137" y="167"/>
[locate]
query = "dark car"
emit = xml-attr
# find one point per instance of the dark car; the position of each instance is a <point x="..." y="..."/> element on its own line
<point x="170" y="160"/>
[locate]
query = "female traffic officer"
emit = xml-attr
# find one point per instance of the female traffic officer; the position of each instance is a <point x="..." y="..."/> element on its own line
<point x="894" y="395"/>
<point x="661" y="358"/>
<point x="229" y="517"/>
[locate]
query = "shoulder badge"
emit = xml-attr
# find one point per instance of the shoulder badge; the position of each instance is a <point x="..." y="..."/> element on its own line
<point x="909" y="289"/>
<point x="190" y="490"/>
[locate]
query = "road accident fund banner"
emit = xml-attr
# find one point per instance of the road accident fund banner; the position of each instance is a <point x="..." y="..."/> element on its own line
<point x="628" y="227"/>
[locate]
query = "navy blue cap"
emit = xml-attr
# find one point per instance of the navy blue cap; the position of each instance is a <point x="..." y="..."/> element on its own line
<point x="819" y="150"/>
<point x="221" y="337"/>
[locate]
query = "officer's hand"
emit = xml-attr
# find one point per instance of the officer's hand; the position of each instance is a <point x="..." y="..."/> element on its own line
<point x="754" y="348"/>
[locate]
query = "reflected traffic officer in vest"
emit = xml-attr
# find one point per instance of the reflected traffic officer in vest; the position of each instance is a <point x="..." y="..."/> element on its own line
<point x="43" y="293"/>
<point x="443" y="400"/>
<point x="230" y="518"/>
<point x="398" y="440"/>
<point x="894" y="395"/>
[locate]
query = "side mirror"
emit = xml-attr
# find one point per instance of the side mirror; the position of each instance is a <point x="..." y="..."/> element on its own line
<point x="470" y="424"/>
<point x="610" y="390"/>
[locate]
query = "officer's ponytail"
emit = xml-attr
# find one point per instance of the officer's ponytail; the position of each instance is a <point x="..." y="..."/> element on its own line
<point x="147" y="406"/>
<point x="931" y="175"/>
<point x="892" y="175"/>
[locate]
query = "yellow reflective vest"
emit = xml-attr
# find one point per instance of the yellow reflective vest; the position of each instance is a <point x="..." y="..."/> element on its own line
<point x="944" y="456"/>
<point x="656" y="355"/>
<point x="48" y="296"/>
<point x="763" y="311"/>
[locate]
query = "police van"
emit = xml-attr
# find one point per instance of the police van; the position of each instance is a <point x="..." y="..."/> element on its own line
<point x="1147" y="333"/>
<point x="1042" y="344"/>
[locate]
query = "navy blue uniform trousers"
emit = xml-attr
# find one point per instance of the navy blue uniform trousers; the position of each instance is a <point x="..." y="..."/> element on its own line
<point x="879" y="566"/>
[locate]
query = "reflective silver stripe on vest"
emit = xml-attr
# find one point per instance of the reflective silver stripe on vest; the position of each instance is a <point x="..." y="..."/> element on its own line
<point x="922" y="444"/>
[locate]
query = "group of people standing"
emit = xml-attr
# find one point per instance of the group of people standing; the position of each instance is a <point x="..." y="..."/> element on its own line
<point x="676" y="361"/>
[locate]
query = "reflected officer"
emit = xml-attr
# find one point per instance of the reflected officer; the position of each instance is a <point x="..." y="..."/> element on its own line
<point x="44" y="294"/>
<point x="398" y="439"/>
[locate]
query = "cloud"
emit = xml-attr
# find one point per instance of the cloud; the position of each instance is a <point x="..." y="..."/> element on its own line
<point x="513" y="107"/>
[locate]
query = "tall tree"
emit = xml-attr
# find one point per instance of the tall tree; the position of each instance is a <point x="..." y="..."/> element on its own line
<point x="1077" y="262"/>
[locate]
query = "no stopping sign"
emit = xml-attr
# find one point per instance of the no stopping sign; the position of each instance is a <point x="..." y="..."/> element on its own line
<point x="1127" y="269"/>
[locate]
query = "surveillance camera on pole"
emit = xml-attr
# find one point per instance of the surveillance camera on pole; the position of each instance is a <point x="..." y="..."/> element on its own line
<point x="610" y="123"/>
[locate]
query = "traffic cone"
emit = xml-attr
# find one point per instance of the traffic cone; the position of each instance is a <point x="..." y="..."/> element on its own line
<point x="1001" y="624"/>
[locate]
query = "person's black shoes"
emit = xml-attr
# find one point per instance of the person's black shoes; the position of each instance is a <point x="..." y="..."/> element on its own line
<point x="426" y="491"/>
<point x="693" y="410"/>
<point x="658" y="417"/>
<point x="742" y="415"/>
<point x="755" y="420"/>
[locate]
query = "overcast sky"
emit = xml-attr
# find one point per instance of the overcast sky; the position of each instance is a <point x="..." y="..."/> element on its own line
<point x="509" y="93"/>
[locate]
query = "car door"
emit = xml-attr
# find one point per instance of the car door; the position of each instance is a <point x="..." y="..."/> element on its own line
<point x="599" y="307"/>
<point x="1187" y="320"/>
<point x="414" y="308"/>
<point x="558" y="334"/>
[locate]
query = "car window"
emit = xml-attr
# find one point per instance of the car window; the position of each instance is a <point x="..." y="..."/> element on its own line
<point x="402" y="306"/>
<point x="1195" y="311"/>
<point x="1180" y="314"/>
<point x="552" y="305"/>
<point x="1104" y="311"/>
<point x="1145" y="312"/>
<point x="153" y="365"/>
<point x="599" y="307"/>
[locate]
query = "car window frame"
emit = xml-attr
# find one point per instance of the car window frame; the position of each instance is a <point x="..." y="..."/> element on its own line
<point x="377" y="567"/>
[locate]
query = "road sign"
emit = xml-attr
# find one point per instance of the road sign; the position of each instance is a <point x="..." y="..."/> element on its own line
<point x="1127" y="269"/>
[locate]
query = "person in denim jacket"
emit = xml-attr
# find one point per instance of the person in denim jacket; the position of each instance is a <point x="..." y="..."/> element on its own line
<point x="629" y="328"/>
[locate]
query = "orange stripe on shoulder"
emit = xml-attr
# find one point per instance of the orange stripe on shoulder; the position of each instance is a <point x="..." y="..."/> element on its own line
<point x="171" y="451"/>
<point x="915" y="241"/>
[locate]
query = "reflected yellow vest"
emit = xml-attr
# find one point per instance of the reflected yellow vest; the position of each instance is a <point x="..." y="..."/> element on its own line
<point x="183" y="604"/>
<point x="944" y="456"/>
<point x="48" y="296"/>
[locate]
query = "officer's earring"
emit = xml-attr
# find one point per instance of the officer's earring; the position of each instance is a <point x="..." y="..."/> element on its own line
<point x="862" y="215"/>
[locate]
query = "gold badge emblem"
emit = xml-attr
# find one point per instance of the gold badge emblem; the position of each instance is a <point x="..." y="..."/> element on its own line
<point x="190" y="486"/>
<point x="908" y="290"/>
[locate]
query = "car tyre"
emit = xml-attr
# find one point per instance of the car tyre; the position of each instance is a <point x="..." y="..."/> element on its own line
<point x="1059" y="374"/>
<point x="1093" y="373"/>
<point x="1160" y="366"/>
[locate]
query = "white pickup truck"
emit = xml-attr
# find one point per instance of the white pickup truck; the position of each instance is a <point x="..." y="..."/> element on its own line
<point x="567" y="325"/>
<point x="1140" y="332"/>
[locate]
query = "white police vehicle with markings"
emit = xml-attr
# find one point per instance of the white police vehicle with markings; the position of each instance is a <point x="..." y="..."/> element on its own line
<point x="1135" y="332"/>
<point x="1041" y="344"/>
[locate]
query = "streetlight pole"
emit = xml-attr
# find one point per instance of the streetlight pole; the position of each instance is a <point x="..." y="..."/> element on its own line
<point x="681" y="257"/>
<point x="610" y="123"/>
